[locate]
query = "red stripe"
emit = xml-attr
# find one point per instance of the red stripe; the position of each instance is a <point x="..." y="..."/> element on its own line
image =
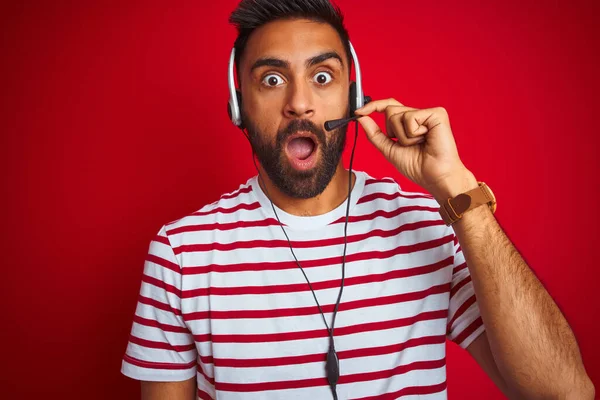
<point x="206" y="359"/>
<point x="456" y="269"/>
<point x="386" y="214"/>
<point x="371" y="181"/>
<point x="344" y="379"/>
<point x="157" y="365"/>
<point x="162" y="239"/>
<point x="273" y="266"/>
<point x="313" y="310"/>
<point x="300" y="287"/>
<point x="161" y="284"/>
<point x="459" y="285"/>
<point x="468" y="331"/>
<point x="376" y="351"/>
<point x="161" y="345"/>
<point x="203" y="395"/>
<point x="163" y="263"/>
<point x="320" y="357"/>
<point x="207" y="337"/>
<point x="391" y="196"/>
<point x="209" y="379"/>
<point x="461" y="310"/>
<point x="386" y="374"/>
<point x="237" y="192"/>
<point x="408" y="391"/>
<point x="241" y="206"/>
<point x="252" y="244"/>
<point x="455" y="240"/>
<point x="224" y="226"/>
<point x="156" y="324"/>
<point x="319" y="333"/>
<point x="158" y="304"/>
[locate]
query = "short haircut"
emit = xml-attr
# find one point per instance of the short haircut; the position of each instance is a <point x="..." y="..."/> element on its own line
<point x="252" y="14"/>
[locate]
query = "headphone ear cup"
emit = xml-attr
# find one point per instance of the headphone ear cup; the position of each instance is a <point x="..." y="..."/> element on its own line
<point x="352" y="100"/>
<point x="238" y="94"/>
<point x="239" y="100"/>
<point x="229" y="111"/>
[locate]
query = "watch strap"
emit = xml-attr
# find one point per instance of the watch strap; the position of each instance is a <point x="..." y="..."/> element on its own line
<point x="453" y="209"/>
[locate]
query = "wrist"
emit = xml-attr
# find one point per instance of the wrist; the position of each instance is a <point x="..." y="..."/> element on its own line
<point x="454" y="185"/>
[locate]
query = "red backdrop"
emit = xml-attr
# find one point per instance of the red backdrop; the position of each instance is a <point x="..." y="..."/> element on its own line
<point x="114" y="122"/>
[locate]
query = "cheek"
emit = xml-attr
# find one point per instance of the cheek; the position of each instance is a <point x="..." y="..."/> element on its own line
<point x="261" y="100"/>
<point x="262" y="127"/>
<point x="264" y="115"/>
<point x="336" y="104"/>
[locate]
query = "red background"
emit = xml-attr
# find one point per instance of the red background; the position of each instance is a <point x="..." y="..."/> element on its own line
<point x="114" y="122"/>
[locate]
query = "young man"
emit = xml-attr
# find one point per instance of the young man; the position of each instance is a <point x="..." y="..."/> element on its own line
<point x="239" y="299"/>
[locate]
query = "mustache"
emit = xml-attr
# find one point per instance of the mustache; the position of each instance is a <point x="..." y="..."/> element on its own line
<point x="302" y="125"/>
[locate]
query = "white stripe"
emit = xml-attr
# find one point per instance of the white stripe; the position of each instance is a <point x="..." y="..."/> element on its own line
<point x="160" y="355"/>
<point x="156" y="334"/>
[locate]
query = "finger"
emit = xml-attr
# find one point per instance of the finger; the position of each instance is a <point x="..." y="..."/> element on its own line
<point x="397" y="127"/>
<point x="389" y="112"/>
<point x="377" y="106"/>
<point x="383" y="143"/>
<point x="416" y="122"/>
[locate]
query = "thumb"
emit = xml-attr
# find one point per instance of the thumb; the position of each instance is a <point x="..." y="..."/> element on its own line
<point x="379" y="139"/>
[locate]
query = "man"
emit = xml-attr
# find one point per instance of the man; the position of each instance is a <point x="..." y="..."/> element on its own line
<point x="238" y="299"/>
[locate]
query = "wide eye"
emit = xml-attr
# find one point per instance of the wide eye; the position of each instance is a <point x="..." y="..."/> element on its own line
<point x="323" y="78"/>
<point x="272" y="80"/>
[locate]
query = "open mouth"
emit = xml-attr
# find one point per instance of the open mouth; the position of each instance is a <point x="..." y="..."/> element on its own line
<point x="300" y="149"/>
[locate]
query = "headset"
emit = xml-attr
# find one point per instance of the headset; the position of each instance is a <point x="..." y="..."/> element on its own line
<point x="356" y="101"/>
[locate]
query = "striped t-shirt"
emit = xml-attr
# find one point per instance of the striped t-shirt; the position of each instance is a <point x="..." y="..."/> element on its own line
<point x="222" y="299"/>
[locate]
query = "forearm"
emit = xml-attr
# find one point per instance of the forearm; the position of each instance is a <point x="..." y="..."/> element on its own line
<point x="532" y="343"/>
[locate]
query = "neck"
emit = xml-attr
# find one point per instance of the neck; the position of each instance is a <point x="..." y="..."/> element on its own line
<point x="334" y="194"/>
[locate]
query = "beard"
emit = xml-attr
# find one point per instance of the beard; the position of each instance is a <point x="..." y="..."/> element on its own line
<point x="294" y="183"/>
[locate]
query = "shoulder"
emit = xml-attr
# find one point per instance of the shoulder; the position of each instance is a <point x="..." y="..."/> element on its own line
<point x="222" y="214"/>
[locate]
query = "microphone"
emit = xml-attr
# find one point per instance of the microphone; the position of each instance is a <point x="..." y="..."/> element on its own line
<point x="336" y="123"/>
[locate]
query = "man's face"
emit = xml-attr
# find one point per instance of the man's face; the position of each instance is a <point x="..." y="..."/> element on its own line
<point x="294" y="77"/>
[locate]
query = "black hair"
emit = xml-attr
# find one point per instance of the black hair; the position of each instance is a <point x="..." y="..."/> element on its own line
<point x="252" y="14"/>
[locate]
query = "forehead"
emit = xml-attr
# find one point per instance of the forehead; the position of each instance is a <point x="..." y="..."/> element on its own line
<point x="294" y="40"/>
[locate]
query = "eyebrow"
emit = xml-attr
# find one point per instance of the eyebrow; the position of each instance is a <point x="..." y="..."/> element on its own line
<point x="279" y="63"/>
<point x="324" y="57"/>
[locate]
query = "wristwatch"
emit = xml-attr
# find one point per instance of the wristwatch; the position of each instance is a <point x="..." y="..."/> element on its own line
<point x="453" y="209"/>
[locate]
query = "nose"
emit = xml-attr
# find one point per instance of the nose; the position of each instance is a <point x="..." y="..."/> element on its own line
<point x="300" y="101"/>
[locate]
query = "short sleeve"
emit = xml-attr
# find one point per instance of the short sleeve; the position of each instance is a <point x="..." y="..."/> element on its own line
<point x="160" y="348"/>
<point x="464" y="320"/>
